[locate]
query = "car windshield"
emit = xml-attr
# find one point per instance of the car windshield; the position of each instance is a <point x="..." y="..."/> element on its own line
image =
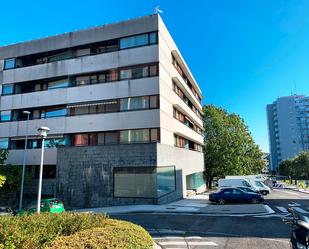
<point x="55" y="202"/>
<point x="258" y="183"/>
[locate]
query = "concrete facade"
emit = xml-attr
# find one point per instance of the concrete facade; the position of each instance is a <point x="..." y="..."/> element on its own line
<point x="287" y="128"/>
<point x="165" y="134"/>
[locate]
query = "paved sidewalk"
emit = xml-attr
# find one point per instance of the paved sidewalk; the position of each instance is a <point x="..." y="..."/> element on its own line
<point x="198" y="205"/>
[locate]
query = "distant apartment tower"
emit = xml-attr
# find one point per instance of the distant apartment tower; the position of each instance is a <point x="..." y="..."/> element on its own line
<point x="123" y="108"/>
<point x="288" y="127"/>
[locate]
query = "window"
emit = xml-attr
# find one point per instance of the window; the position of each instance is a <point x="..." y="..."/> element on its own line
<point x="80" y="140"/>
<point x="125" y="74"/>
<point x="134" y="103"/>
<point x="153" y="38"/>
<point x="5" y="116"/>
<point x="4" y="143"/>
<point x="135" y="182"/>
<point x="55" y="142"/>
<point x="82" y="52"/>
<point x="165" y="180"/>
<point x="54" y="112"/>
<point x="7" y="89"/>
<point x="145" y="182"/>
<point x="58" y="84"/>
<point x="154" y="102"/>
<point x="111" y="137"/>
<point x="134" y="41"/>
<point x="134" y="136"/>
<point x="60" y="56"/>
<point x="154" y="135"/>
<point x="82" y="80"/>
<point x="153" y="70"/>
<point x="9" y="63"/>
<point x="101" y="139"/>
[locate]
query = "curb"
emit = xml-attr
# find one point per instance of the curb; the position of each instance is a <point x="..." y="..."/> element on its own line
<point x="295" y="190"/>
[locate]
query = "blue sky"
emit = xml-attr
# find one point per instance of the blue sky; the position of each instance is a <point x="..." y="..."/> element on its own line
<point x="244" y="54"/>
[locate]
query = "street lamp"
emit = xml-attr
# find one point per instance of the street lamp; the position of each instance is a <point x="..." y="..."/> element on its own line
<point x="24" y="163"/>
<point x="42" y="134"/>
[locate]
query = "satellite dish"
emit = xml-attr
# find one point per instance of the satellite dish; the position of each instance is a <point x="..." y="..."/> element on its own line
<point x="157" y="10"/>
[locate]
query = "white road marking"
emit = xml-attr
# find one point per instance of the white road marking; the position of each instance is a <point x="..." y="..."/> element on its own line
<point x="171" y="243"/>
<point x="282" y="209"/>
<point x="293" y="204"/>
<point x="301" y="210"/>
<point x="202" y="243"/>
<point x="268" y="209"/>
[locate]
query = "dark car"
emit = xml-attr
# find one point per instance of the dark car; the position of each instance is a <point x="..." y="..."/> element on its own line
<point x="235" y="195"/>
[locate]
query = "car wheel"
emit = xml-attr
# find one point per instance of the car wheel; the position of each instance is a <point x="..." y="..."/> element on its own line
<point x="254" y="201"/>
<point x="221" y="201"/>
<point x="264" y="192"/>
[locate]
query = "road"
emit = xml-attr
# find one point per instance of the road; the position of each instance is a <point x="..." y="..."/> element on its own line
<point x="200" y="231"/>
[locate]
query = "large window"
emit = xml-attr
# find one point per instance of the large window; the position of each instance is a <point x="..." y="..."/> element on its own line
<point x="7" y="89"/>
<point x="144" y="182"/>
<point x="53" y="112"/>
<point x="58" y="84"/>
<point x="9" y="63"/>
<point x="196" y="180"/>
<point x="4" y="143"/>
<point x="134" y="136"/>
<point x="134" y="41"/>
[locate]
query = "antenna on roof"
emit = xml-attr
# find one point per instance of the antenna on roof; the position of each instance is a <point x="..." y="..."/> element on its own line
<point x="157" y="10"/>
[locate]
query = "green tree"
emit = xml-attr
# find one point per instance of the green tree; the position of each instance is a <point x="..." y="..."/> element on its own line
<point x="286" y="168"/>
<point x="229" y="148"/>
<point x="10" y="176"/>
<point x="3" y="156"/>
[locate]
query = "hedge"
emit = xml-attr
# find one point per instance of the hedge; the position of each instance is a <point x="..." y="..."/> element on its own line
<point x="40" y="230"/>
<point x="115" y="234"/>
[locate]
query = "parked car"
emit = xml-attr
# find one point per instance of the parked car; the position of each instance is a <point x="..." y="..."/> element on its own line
<point x="52" y="205"/>
<point x="256" y="181"/>
<point x="247" y="189"/>
<point x="6" y="211"/>
<point x="235" y="195"/>
<point x="235" y="183"/>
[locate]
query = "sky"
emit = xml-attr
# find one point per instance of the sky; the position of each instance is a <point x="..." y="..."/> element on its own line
<point x="243" y="53"/>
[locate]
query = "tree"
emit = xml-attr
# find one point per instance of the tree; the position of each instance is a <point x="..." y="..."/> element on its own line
<point x="10" y="176"/>
<point x="3" y="156"/>
<point x="229" y="148"/>
<point x="286" y="168"/>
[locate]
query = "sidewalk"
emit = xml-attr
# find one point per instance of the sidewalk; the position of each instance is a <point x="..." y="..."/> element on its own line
<point x="193" y="205"/>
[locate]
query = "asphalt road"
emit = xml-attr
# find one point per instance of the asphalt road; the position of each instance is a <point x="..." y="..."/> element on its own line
<point x="199" y="231"/>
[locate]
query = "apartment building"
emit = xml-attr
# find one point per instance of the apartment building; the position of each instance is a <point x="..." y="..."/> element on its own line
<point x="288" y="126"/>
<point x="124" y="113"/>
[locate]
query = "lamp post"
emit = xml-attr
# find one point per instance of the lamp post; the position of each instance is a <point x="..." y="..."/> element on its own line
<point x="24" y="163"/>
<point x="43" y="134"/>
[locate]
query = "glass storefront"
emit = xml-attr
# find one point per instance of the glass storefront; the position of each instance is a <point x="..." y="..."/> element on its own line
<point x="144" y="182"/>
<point x="196" y="180"/>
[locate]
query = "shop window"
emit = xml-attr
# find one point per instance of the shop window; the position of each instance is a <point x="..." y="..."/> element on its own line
<point x="135" y="182"/>
<point x="166" y="182"/>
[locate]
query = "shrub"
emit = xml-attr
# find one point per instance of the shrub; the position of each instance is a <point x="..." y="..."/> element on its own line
<point x="33" y="231"/>
<point x="114" y="234"/>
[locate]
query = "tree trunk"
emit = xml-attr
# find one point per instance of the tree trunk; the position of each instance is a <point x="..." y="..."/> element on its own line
<point x="209" y="182"/>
